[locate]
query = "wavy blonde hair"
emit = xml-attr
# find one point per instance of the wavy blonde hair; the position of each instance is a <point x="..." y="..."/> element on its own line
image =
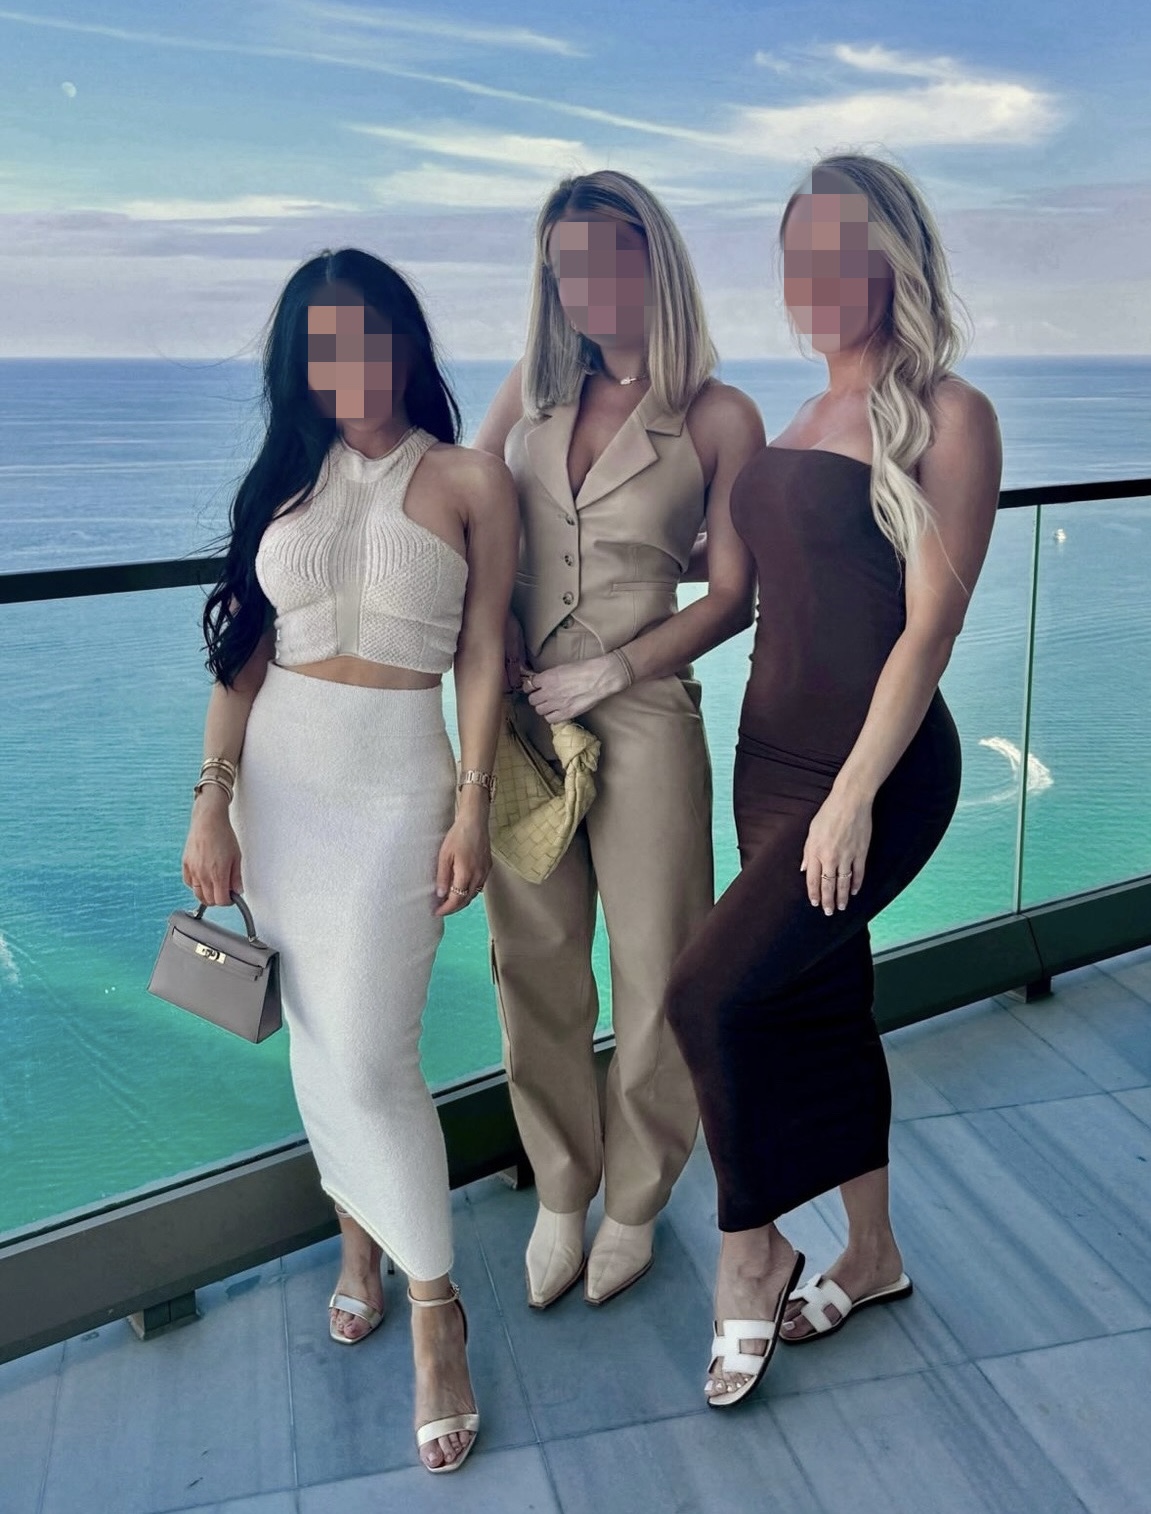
<point x="921" y="336"/>
<point x="680" y="354"/>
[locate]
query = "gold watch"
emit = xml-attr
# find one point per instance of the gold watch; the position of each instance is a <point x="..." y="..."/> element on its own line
<point x="484" y="780"/>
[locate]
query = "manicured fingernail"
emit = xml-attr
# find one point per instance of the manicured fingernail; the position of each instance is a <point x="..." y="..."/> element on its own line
<point x="441" y="893"/>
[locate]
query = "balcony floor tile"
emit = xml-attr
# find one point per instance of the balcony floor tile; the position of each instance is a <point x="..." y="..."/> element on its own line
<point x="261" y="1503"/>
<point x="29" y="1388"/>
<point x="981" y="1057"/>
<point x="198" y="1415"/>
<point x="699" y="1462"/>
<point x="940" y="1440"/>
<point x="1086" y="1406"/>
<point x="495" y="1482"/>
<point x="1089" y="1160"/>
<point x="1133" y="970"/>
<point x="1097" y="1023"/>
<point x="1005" y="1271"/>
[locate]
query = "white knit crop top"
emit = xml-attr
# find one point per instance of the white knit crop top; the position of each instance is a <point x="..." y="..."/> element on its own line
<point x="350" y="573"/>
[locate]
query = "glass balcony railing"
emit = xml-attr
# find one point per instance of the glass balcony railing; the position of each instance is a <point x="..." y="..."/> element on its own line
<point x="104" y="1089"/>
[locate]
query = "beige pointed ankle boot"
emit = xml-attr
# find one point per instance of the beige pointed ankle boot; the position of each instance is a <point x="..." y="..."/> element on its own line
<point x="620" y="1255"/>
<point x="555" y="1255"/>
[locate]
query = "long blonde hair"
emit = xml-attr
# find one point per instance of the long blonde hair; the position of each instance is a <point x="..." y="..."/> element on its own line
<point x="920" y="334"/>
<point x="680" y="354"/>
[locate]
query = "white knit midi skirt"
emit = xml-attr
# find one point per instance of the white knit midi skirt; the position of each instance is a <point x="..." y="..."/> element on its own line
<point x="343" y="800"/>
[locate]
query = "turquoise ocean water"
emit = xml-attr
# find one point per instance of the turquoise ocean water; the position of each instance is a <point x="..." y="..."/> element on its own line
<point x="104" y="1089"/>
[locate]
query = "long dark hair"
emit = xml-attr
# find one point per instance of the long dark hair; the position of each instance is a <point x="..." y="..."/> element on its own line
<point x="299" y="434"/>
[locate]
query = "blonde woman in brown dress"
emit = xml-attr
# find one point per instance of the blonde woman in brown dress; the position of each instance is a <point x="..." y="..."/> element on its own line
<point x="868" y="519"/>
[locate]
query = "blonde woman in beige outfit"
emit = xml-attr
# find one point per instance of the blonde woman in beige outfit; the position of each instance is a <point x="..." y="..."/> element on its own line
<point x="623" y="448"/>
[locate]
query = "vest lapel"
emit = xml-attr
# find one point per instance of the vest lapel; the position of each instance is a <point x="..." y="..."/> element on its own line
<point x="547" y="442"/>
<point x="629" y="452"/>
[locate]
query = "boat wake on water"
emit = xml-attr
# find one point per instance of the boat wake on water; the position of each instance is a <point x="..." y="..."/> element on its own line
<point x="1038" y="774"/>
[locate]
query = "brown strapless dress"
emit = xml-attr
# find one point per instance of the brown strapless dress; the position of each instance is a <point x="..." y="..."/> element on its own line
<point x="772" y="1000"/>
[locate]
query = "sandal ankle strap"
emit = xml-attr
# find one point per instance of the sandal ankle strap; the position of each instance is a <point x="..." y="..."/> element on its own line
<point x="436" y="1303"/>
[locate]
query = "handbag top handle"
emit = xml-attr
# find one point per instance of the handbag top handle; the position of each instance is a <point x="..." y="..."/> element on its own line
<point x="249" y="923"/>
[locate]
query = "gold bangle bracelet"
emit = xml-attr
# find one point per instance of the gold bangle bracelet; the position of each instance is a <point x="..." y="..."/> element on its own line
<point x="198" y="788"/>
<point x="218" y="762"/>
<point x="622" y="658"/>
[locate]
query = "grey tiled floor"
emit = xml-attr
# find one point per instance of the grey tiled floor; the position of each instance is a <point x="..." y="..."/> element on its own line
<point x="1015" y="1379"/>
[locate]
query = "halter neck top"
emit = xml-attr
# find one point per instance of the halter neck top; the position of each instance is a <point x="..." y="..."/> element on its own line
<point x="350" y="574"/>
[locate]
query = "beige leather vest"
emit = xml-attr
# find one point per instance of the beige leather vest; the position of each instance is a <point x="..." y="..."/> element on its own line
<point x="612" y="557"/>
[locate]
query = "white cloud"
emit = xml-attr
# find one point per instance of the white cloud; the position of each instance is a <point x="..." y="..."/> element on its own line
<point x="554" y="154"/>
<point x="952" y="113"/>
<point x="241" y="207"/>
<point x="777" y="64"/>
<point x="509" y="38"/>
<point x="69" y="89"/>
<point x="882" y="60"/>
<point x="430" y="184"/>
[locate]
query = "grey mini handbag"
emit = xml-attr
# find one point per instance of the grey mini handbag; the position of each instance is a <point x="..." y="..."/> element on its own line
<point x="230" y="979"/>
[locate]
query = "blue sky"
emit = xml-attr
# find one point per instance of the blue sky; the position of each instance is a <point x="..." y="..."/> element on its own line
<point x="164" y="166"/>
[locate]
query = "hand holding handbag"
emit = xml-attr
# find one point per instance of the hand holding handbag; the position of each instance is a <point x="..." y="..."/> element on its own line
<point x="230" y="979"/>
<point x="535" y="812"/>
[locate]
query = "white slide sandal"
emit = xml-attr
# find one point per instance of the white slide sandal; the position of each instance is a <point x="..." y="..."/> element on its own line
<point x="819" y="1292"/>
<point x="728" y="1358"/>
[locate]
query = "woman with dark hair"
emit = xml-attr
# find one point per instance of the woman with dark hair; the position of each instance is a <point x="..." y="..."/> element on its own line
<point x="622" y="444"/>
<point x="369" y="554"/>
<point x="868" y="519"/>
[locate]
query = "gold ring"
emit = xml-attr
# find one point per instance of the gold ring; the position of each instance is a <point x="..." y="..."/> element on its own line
<point x="829" y="875"/>
<point x="453" y="890"/>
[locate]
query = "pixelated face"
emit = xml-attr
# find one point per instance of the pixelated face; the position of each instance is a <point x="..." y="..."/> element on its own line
<point x="836" y="282"/>
<point x="603" y="276"/>
<point x="355" y="365"/>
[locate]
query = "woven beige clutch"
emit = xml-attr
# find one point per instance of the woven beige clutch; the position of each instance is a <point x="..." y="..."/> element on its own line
<point x="536" y="811"/>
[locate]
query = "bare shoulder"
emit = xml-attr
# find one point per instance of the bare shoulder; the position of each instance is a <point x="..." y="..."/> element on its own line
<point x="478" y="481"/>
<point x="726" y="429"/>
<point x="960" y="411"/>
<point x="719" y="406"/>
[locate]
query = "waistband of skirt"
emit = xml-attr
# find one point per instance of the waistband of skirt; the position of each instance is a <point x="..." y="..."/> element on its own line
<point x="398" y="712"/>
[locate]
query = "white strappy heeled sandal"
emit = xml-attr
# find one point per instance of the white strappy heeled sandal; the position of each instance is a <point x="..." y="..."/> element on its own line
<point x="357" y="1306"/>
<point x="452" y="1424"/>
<point x="727" y="1358"/>
<point x="820" y="1291"/>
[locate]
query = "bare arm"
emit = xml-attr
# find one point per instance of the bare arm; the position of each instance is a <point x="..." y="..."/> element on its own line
<point x="732" y="428"/>
<point x="728" y="432"/>
<point x="696" y="572"/>
<point x="959" y="475"/>
<point x="503" y="412"/>
<point x="492" y="525"/>
<point x="211" y="865"/>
